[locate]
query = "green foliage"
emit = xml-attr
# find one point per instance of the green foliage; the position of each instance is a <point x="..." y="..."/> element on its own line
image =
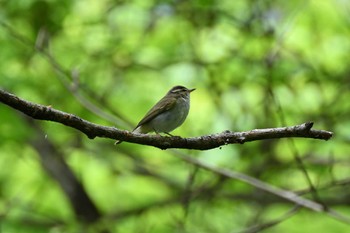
<point x="255" y="64"/>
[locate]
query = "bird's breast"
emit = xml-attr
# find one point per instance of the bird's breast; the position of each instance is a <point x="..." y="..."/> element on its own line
<point x="173" y="118"/>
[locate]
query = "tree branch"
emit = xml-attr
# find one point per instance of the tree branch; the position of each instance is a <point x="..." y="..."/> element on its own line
<point x="54" y="164"/>
<point x="206" y="142"/>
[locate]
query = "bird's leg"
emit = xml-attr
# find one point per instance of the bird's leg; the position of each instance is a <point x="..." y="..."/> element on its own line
<point x="164" y="133"/>
<point x="169" y="134"/>
<point x="156" y="132"/>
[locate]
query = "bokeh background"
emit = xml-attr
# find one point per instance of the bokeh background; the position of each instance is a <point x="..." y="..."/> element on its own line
<point x="255" y="64"/>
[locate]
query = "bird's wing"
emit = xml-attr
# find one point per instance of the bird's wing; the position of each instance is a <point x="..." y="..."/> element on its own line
<point x="167" y="104"/>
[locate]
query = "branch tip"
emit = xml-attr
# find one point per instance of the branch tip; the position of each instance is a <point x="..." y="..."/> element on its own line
<point x="308" y="125"/>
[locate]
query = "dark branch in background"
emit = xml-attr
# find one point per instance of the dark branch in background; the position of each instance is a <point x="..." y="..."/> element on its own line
<point x="206" y="142"/>
<point x="53" y="162"/>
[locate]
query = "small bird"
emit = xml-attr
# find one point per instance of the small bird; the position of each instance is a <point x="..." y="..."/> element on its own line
<point x="168" y="114"/>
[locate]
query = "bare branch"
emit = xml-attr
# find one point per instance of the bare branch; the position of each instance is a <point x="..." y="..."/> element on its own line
<point x="54" y="164"/>
<point x="268" y="188"/>
<point x="206" y="142"/>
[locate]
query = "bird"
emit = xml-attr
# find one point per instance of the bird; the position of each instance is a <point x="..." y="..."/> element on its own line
<point x="167" y="114"/>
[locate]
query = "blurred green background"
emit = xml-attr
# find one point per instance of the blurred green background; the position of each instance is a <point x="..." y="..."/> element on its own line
<point x="255" y="64"/>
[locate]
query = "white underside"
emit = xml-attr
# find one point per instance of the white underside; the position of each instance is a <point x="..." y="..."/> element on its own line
<point x="169" y="120"/>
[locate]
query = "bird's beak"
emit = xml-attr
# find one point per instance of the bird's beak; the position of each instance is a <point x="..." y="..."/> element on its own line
<point x="190" y="90"/>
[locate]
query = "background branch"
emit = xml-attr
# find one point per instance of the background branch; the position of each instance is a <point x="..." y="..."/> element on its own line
<point x="55" y="165"/>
